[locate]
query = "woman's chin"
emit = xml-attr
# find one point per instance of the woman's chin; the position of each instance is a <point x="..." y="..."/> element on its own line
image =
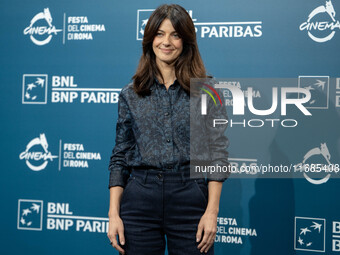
<point x="168" y="61"/>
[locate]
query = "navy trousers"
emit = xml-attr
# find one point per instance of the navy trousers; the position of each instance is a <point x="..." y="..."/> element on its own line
<point x="156" y="204"/>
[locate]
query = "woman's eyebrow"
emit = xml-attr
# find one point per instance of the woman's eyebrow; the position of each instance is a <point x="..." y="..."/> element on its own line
<point x="160" y="30"/>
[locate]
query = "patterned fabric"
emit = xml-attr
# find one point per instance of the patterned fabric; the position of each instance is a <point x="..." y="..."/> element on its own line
<point x="153" y="132"/>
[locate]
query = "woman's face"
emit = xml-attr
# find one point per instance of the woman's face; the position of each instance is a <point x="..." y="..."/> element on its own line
<point x="167" y="45"/>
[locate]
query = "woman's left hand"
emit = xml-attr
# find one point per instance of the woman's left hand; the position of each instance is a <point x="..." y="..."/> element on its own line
<point x="208" y="227"/>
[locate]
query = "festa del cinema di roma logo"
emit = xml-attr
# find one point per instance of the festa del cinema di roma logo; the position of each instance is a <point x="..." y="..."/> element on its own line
<point x="71" y="155"/>
<point x="41" y="30"/>
<point x="37" y="151"/>
<point x="41" y="35"/>
<point x="318" y="30"/>
<point x="317" y="151"/>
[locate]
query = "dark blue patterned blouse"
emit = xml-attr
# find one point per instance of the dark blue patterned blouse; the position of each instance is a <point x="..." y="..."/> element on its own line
<point x="153" y="132"/>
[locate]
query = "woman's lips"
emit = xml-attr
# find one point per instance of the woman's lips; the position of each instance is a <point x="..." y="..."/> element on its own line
<point x="166" y="50"/>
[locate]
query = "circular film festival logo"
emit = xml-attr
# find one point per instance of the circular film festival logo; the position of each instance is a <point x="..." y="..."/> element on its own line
<point x="41" y="156"/>
<point x="318" y="28"/>
<point x="41" y="34"/>
<point x="324" y="153"/>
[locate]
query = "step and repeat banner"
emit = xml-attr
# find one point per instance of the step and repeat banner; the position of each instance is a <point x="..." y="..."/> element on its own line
<point x="63" y="64"/>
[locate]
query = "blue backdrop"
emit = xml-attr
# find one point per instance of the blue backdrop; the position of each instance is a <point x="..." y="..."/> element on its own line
<point x="63" y="64"/>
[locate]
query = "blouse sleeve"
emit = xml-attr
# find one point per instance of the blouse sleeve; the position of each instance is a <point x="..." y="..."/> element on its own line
<point x="218" y="142"/>
<point x="119" y="172"/>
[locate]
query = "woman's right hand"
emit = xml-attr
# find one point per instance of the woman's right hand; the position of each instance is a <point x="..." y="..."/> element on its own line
<point x="116" y="227"/>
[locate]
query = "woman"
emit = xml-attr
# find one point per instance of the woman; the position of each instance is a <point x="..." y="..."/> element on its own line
<point x="151" y="192"/>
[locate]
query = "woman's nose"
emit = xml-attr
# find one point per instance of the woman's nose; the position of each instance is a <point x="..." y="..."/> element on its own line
<point x="166" y="40"/>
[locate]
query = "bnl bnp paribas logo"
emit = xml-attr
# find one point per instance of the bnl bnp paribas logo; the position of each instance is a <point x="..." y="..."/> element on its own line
<point x="224" y="29"/>
<point x="34" y="89"/>
<point x="321" y="23"/>
<point x="321" y="88"/>
<point x="63" y="89"/>
<point x="30" y="214"/>
<point x="318" y="86"/>
<point x="57" y="217"/>
<point x="310" y="235"/>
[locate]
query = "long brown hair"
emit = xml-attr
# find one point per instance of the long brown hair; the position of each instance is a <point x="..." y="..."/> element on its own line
<point x="188" y="65"/>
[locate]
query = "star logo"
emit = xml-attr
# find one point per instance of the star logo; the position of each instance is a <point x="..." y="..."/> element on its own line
<point x="142" y="19"/>
<point x="30" y="214"/>
<point x="309" y="234"/>
<point x="318" y="86"/>
<point x="34" y="89"/>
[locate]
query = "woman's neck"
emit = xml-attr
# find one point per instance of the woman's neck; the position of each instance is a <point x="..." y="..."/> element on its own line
<point x="168" y="73"/>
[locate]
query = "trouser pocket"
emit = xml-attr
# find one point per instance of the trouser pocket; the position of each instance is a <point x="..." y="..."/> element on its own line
<point x="128" y="186"/>
<point x="202" y="189"/>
